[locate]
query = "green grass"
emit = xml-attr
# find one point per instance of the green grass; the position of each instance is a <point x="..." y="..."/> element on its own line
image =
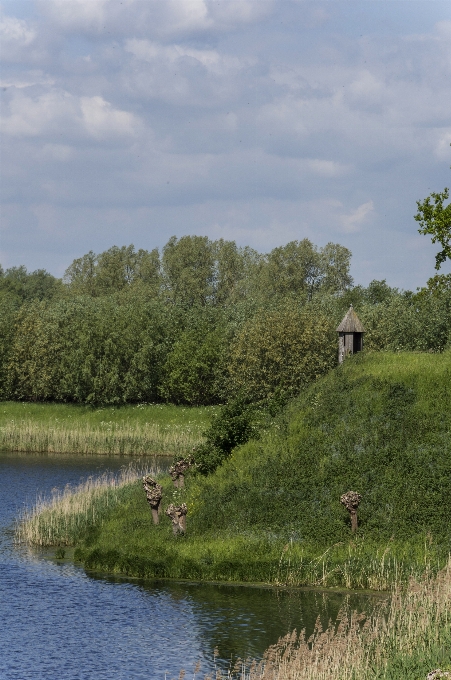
<point x="126" y="542"/>
<point x="131" y="430"/>
<point x="380" y="425"/>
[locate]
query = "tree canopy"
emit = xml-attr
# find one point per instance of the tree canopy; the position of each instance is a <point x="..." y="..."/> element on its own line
<point x="202" y="322"/>
<point x="434" y="218"/>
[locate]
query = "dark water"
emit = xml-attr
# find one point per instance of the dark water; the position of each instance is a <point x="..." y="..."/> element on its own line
<point x="56" y="621"/>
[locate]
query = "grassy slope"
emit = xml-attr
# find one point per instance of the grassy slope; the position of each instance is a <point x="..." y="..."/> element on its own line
<point x="380" y="426"/>
<point x="130" y="429"/>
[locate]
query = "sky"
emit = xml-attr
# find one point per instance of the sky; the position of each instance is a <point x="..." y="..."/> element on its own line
<point x="259" y="121"/>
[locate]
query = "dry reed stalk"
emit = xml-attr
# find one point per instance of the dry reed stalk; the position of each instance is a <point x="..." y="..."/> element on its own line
<point x="410" y="622"/>
<point x="59" y="519"/>
<point x="110" y="438"/>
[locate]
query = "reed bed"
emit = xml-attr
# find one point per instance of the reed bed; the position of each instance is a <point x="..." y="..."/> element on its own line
<point x="362" y="564"/>
<point x="59" y="520"/>
<point x="106" y="438"/>
<point x="406" y="637"/>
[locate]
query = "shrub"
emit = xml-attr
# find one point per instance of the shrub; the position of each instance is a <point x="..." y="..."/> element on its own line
<point x="232" y="426"/>
<point x="280" y="351"/>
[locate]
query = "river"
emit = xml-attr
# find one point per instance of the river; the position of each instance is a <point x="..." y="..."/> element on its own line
<point x="57" y="621"/>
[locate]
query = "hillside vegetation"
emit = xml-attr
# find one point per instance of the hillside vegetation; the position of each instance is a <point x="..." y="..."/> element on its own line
<point x="380" y="425"/>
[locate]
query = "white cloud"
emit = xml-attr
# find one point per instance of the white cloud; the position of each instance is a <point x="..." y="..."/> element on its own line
<point x="84" y="15"/>
<point x="159" y="18"/>
<point x="57" y="152"/>
<point x="235" y="12"/>
<point x="354" y="220"/>
<point x="101" y="119"/>
<point x="59" y="112"/>
<point x="186" y="16"/>
<point x="444" y="29"/>
<point x="16" y="31"/>
<point x="16" y="36"/>
<point x="325" y="168"/>
<point x="443" y="148"/>
<point x="366" y="91"/>
<point x="212" y="60"/>
<point x="27" y="79"/>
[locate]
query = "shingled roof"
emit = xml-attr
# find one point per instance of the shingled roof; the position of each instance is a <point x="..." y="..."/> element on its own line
<point x="351" y="323"/>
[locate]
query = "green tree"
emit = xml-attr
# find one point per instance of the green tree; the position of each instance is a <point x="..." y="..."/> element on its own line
<point x="89" y="350"/>
<point x="335" y="263"/>
<point x="279" y="351"/>
<point x="435" y="219"/>
<point x="26" y="286"/>
<point x="193" y="372"/>
<point x="189" y="270"/>
<point x="9" y="306"/>
<point x="300" y="268"/>
<point x="80" y="276"/>
<point x="234" y="270"/>
<point x="232" y="426"/>
<point x="113" y="271"/>
<point x="291" y="269"/>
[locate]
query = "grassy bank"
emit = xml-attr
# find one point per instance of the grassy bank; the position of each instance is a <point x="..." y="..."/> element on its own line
<point x="67" y="515"/>
<point x="129" y="430"/>
<point x="380" y="426"/>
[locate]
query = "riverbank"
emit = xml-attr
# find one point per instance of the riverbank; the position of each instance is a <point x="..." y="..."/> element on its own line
<point x="379" y="425"/>
<point x="135" y="430"/>
<point x="108" y="522"/>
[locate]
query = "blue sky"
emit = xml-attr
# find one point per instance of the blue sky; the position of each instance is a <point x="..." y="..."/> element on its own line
<point x="262" y="121"/>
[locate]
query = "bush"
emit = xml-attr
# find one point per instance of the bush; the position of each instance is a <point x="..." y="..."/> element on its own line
<point x="280" y="351"/>
<point x="232" y="426"/>
<point x="193" y="368"/>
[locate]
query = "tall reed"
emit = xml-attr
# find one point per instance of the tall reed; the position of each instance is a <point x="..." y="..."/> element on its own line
<point x="361" y="563"/>
<point x="66" y="515"/>
<point x="408" y="636"/>
<point x="107" y="438"/>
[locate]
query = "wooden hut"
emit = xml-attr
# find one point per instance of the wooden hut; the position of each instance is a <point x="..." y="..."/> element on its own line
<point x="350" y="335"/>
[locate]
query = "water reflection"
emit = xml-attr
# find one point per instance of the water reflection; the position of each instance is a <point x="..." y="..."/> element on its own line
<point x="59" y="621"/>
<point x="242" y="621"/>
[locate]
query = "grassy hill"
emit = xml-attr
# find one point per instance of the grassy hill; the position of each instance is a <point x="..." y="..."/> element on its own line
<point x="379" y="425"/>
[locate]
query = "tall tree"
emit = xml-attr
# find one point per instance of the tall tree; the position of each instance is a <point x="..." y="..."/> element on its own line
<point x="189" y="269"/>
<point x="80" y="276"/>
<point x="301" y="268"/>
<point x="435" y="219"/>
<point x="25" y="286"/>
<point x="113" y="270"/>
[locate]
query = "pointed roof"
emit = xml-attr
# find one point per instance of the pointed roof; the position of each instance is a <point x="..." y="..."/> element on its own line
<point x="351" y="323"/>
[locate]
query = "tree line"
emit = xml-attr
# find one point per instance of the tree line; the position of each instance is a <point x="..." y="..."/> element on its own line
<point x="201" y="322"/>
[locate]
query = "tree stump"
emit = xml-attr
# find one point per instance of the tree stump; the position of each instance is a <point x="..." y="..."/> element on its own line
<point x="351" y="501"/>
<point x="178" y="470"/>
<point x="177" y="513"/>
<point x="154" y="493"/>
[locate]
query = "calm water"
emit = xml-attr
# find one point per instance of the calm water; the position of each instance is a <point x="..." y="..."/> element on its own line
<point x="56" y="621"/>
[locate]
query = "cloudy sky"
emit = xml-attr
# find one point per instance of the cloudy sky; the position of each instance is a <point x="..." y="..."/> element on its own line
<point x="262" y="121"/>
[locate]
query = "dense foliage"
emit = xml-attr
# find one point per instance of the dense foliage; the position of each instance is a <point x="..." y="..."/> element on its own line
<point x="200" y="323"/>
